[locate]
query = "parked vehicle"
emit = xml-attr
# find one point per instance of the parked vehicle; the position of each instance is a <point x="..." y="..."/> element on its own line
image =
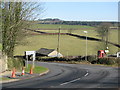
<point x="101" y="53"/>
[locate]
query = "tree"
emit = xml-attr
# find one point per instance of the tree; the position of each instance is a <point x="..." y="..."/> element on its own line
<point x="15" y="17"/>
<point x="103" y="31"/>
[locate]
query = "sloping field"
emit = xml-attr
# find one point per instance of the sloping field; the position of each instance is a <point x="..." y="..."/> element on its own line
<point x="76" y="29"/>
<point x="68" y="45"/>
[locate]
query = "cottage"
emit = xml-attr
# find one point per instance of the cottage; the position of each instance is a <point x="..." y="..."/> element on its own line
<point x="48" y="52"/>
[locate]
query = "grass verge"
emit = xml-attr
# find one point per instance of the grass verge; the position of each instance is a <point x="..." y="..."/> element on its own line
<point x="37" y="69"/>
<point x="4" y="78"/>
<point x="0" y="46"/>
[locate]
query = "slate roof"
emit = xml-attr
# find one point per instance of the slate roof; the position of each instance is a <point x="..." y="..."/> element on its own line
<point x="44" y="51"/>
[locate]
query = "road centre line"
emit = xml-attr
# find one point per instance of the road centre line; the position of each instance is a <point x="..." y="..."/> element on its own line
<point x="70" y="81"/>
<point x="86" y="74"/>
<point x="74" y="80"/>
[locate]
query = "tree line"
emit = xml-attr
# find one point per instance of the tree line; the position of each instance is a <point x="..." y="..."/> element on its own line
<point x="87" y="23"/>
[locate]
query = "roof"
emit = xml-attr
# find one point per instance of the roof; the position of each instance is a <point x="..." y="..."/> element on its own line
<point x="56" y="55"/>
<point x="44" y="51"/>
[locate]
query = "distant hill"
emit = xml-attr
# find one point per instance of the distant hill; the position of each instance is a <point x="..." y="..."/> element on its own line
<point x="88" y="23"/>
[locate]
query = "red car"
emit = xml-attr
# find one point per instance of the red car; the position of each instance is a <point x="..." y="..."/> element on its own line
<point x="101" y="53"/>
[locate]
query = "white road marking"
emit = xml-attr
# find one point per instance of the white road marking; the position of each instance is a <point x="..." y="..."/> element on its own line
<point x="73" y="80"/>
<point x="70" y="81"/>
<point x="86" y="74"/>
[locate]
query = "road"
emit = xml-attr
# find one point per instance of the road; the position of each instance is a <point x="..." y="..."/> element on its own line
<point x="71" y="76"/>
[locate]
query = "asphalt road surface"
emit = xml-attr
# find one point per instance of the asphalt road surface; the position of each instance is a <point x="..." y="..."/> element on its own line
<point x="70" y="76"/>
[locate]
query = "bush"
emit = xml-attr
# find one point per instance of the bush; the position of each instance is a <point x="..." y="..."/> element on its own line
<point x="18" y="63"/>
<point x="51" y="59"/>
<point x="76" y="58"/>
<point x="108" y="61"/>
<point x="92" y="59"/>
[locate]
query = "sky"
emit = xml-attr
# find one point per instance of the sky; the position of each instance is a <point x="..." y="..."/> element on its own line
<point x="81" y="11"/>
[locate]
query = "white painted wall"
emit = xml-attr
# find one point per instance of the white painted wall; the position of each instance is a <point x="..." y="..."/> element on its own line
<point x="55" y="54"/>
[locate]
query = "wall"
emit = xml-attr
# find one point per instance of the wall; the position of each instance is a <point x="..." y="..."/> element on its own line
<point x="3" y="62"/>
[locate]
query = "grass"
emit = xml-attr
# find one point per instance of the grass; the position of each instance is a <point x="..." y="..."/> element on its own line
<point x="78" y="29"/>
<point x="4" y="78"/>
<point x="0" y="46"/>
<point x="113" y="34"/>
<point x="69" y="45"/>
<point x="36" y="70"/>
<point x="91" y="33"/>
<point x="56" y="26"/>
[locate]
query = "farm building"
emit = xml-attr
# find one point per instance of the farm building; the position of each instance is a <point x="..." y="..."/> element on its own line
<point x="48" y="52"/>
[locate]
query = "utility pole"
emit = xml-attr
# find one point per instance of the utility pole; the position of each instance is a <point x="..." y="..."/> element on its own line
<point x="58" y="49"/>
<point x="86" y="43"/>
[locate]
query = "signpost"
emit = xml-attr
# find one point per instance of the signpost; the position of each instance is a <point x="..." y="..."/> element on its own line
<point x="107" y="51"/>
<point x="118" y="54"/>
<point x="86" y="43"/>
<point x="30" y="53"/>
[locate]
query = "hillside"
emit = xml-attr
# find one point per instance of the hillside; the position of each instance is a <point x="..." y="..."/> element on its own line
<point x="69" y="45"/>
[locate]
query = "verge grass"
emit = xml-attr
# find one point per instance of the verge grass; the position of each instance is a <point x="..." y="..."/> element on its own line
<point x="36" y="70"/>
<point x="0" y="46"/>
<point x="4" y="78"/>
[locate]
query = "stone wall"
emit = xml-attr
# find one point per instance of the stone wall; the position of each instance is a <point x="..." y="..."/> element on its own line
<point x="3" y="62"/>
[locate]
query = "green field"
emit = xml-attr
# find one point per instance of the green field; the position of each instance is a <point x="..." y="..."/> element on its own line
<point x="68" y="45"/>
<point x="56" y="26"/>
<point x="77" y="29"/>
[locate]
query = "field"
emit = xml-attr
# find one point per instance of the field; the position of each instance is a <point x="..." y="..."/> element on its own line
<point x="57" y="26"/>
<point x="68" y="45"/>
<point x="76" y="29"/>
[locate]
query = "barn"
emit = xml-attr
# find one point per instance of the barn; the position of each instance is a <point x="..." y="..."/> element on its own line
<point x="48" y="52"/>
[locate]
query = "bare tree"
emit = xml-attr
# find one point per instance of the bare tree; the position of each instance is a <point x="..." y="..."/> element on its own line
<point x="15" y="17"/>
<point x="103" y="31"/>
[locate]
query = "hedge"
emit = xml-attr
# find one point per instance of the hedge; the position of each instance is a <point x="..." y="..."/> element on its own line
<point x="92" y="59"/>
<point x="109" y="60"/>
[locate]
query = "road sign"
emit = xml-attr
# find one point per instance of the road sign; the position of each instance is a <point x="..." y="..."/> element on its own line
<point x="106" y="51"/>
<point x="30" y="53"/>
<point x="118" y="54"/>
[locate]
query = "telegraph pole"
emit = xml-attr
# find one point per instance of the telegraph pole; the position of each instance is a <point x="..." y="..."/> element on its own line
<point x="86" y="43"/>
<point x="58" y="41"/>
